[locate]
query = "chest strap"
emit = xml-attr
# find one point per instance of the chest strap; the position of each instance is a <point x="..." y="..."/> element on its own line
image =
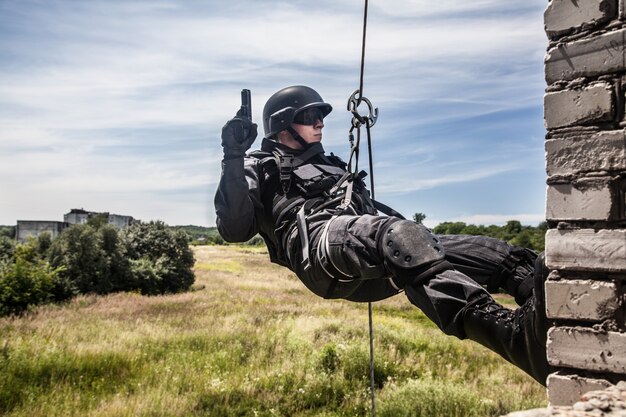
<point x="286" y="162"/>
<point x="303" y="230"/>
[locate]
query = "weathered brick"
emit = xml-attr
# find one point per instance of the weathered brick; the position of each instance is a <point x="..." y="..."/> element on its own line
<point x="563" y="15"/>
<point x="603" y="151"/>
<point x="586" y="250"/>
<point x="585" y="348"/>
<point x="587" y="58"/>
<point x="581" y="299"/>
<point x="622" y="198"/>
<point x="584" y="199"/>
<point x="567" y="389"/>
<point x="570" y="107"/>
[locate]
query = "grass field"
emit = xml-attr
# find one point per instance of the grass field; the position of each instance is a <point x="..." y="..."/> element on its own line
<point x="249" y="341"/>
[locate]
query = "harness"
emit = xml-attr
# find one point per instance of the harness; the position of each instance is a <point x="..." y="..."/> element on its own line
<point x="307" y="188"/>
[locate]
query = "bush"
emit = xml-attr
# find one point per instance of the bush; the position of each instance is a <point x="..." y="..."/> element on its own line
<point x="7" y="248"/>
<point x="118" y="265"/>
<point x="148" y="276"/>
<point x="79" y="250"/>
<point x="512" y="232"/>
<point x="149" y="257"/>
<point x="256" y="240"/>
<point x="93" y="259"/>
<point x="26" y="280"/>
<point x="8" y="231"/>
<point x="161" y="259"/>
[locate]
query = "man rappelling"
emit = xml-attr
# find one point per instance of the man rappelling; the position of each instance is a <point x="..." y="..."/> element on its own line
<point x="318" y="219"/>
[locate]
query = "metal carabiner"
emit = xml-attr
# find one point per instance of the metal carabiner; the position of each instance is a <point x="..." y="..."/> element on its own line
<point x="358" y="119"/>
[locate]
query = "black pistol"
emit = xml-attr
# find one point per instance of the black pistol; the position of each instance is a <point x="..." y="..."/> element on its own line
<point x="246" y="104"/>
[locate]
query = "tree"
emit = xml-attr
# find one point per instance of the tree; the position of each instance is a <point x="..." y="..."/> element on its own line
<point x="256" y="240"/>
<point x="8" y="231"/>
<point x="419" y="218"/>
<point x="78" y="249"/>
<point x="161" y="259"/>
<point x="512" y="227"/>
<point x="449" y="228"/>
<point x="93" y="258"/>
<point x="118" y="265"/>
<point x="7" y="248"/>
<point x="538" y="238"/>
<point x="98" y="221"/>
<point x="523" y="239"/>
<point x="25" y="280"/>
<point x="512" y="232"/>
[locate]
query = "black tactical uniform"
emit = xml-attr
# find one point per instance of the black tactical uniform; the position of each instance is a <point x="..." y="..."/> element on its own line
<point x="321" y="223"/>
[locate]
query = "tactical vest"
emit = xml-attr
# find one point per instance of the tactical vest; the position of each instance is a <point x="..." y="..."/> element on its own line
<point x="294" y="187"/>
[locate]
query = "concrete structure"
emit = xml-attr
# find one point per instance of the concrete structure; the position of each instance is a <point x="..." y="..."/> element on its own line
<point x="80" y="216"/>
<point x="120" y="221"/>
<point x="585" y="71"/>
<point x="34" y="228"/>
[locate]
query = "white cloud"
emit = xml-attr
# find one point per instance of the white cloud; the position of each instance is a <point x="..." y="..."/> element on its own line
<point x="400" y="183"/>
<point x="430" y="8"/>
<point x="85" y="87"/>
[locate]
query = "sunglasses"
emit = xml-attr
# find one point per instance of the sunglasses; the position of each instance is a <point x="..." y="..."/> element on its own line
<point x="309" y="116"/>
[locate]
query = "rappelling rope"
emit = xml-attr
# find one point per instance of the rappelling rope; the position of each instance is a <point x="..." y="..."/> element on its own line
<point x="357" y="121"/>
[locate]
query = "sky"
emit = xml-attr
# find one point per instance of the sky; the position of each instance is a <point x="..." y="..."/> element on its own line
<point x="117" y="105"/>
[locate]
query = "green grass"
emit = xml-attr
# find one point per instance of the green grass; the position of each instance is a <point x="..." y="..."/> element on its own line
<point x="252" y="342"/>
<point x="224" y="266"/>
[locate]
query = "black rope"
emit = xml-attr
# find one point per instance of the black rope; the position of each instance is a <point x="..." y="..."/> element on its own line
<point x="371" y="159"/>
<point x="372" y="381"/>
<point x="371" y="166"/>
<point x="363" y="51"/>
<point x="369" y="305"/>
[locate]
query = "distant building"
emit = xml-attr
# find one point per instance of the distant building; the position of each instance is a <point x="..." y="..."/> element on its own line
<point x="34" y="228"/>
<point x="80" y="216"/>
<point x="120" y="221"/>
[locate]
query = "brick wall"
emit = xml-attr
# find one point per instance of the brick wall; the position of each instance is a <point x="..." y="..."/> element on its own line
<point x="585" y="71"/>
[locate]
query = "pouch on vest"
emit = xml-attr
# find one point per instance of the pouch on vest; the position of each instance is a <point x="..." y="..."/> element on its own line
<point x="315" y="179"/>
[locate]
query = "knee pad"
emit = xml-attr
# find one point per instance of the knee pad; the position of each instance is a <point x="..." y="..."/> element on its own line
<point x="410" y="252"/>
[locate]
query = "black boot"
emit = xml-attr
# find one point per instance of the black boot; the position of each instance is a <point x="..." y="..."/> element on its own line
<point x="493" y="263"/>
<point x="519" y="335"/>
<point x="515" y="274"/>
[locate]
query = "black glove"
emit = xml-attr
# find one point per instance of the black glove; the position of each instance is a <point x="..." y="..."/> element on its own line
<point x="238" y="134"/>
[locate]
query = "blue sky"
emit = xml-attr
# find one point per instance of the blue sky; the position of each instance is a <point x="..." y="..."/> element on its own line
<point x="117" y="105"/>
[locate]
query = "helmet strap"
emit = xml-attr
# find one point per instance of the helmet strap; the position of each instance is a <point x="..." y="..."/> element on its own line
<point x="297" y="137"/>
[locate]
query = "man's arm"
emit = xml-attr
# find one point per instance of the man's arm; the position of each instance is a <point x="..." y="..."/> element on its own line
<point x="235" y="201"/>
<point x="238" y="185"/>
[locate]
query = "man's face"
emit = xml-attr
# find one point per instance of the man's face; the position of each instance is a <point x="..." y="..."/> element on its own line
<point x="308" y="124"/>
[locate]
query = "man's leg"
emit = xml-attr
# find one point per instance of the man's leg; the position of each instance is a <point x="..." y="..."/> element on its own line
<point x="519" y="336"/>
<point x="358" y="246"/>
<point x="462" y="307"/>
<point x="492" y="263"/>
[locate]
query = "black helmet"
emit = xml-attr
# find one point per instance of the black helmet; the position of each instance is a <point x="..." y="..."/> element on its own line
<point x="281" y="107"/>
